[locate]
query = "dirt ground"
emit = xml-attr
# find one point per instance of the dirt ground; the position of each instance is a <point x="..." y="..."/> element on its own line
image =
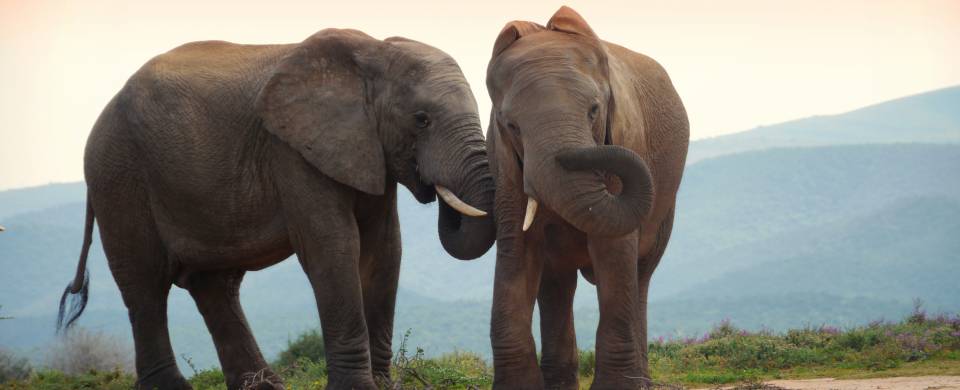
<point x="904" y="383"/>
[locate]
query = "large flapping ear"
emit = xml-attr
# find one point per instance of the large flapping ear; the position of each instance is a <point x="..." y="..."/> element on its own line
<point x="512" y="32"/>
<point x="315" y="101"/>
<point x="569" y="21"/>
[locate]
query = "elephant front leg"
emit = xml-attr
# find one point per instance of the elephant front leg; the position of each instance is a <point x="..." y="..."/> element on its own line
<point x="619" y="356"/>
<point x="514" y="352"/>
<point x="329" y="251"/>
<point x="560" y="361"/>
<point x="381" y="271"/>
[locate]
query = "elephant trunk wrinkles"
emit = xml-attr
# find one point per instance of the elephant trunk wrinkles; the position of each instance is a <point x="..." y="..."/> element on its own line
<point x="589" y="205"/>
<point x="462" y="236"/>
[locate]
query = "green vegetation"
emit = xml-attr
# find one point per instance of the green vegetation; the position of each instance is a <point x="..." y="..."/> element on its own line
<point x="918" y="345"/>
<point x="727" y="354"/>
<point x="309" y="345"/>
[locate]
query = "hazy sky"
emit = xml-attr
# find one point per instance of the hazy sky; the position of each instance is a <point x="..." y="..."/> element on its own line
<point x="736" y="64"/>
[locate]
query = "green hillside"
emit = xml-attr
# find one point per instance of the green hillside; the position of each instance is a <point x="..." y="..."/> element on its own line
<point x="910" y="249"/>
<point x="24" y="200"/>
<point x="735" y="211"/>
<point x="930" y="117"/>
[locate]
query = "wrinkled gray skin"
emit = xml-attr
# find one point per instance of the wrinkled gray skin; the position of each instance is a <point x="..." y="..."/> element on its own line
<point x="598" y="136"/>
<point x="218" y="158"/>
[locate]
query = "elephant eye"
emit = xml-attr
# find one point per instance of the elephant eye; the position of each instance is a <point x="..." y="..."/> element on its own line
<point x="422" y="119"/>
<point x="594" y="109"/>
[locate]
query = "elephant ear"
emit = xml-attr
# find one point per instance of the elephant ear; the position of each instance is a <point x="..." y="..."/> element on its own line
<point x="316" y="102"/>
<point x="512" y="32"/>
<point x="569" y="21"/>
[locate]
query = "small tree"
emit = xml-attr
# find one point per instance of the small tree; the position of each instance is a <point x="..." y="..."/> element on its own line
<point x="80" y="351"/>
<point x="308" y="345"/>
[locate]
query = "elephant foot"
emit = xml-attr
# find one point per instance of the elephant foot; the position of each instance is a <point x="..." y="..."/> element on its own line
<point x="562" y="385"/>
<point x="351" y="383"/>
<point x="561" y="379"/>
<point x="166" y="379"/>
<point x="262" y="380"/>
<point x="518" y="381"/>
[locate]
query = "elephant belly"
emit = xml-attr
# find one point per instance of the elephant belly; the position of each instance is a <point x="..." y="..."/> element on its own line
<point x="565" y="246"/>
<point x="220" y="237"/>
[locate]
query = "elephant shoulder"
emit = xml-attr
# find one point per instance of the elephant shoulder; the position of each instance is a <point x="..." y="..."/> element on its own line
<point x="640" y="66"/>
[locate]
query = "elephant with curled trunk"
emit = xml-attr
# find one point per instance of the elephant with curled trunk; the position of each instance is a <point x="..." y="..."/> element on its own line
<point x="587" y="142"/>
<point x="218" y="158"/>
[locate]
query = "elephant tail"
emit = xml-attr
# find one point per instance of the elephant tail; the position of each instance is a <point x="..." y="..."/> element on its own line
<point x="77" y="291"/>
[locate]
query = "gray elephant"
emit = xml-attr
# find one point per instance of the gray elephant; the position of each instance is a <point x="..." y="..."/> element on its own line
<point x="218" y="158"/>
<point x="587" y="141"/>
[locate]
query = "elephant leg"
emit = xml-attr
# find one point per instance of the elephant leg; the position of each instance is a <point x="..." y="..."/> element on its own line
<point x="618" y="354"/>
<point x="647" y="264"/>
<point x="560" y="361"/>
<point x="327" y="243"/>
<point x="140" y="266"/>
<point x="514" y="293"/>
<point x="217" y="295"/>
<point x="380" y="270"/>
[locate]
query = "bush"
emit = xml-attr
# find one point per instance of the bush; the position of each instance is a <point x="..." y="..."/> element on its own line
<point x="587" y="362"/>
<point x="457" y="370"/>
<point x="94" y="380"/>
<point x="208" y="379"/>
<point x="308" y="345"/>
<point x="80" y="351"/>
<point x="13" y="368"/>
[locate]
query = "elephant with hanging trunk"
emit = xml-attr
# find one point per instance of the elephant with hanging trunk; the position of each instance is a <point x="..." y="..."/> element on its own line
<point x="218" y="158"/>
<point x="587" y="142"/>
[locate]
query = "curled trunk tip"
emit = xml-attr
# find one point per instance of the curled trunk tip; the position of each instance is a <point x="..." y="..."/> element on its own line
<point x="608" y="214"/>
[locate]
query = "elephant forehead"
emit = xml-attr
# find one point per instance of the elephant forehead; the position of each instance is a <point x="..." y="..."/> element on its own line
<point x="563" y="62"/>
<point x="549" y="47"/>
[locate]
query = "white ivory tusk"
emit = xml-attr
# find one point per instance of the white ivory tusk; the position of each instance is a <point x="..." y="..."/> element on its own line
<point x="531" y="212"/>
<point x="458" y="204"/>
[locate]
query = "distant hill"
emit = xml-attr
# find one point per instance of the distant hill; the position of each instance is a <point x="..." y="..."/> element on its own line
<point x="930" y="117"/>
<point x="910" y="249"/>
<point x="24" y="200"/>
<point x="735" y="211"/>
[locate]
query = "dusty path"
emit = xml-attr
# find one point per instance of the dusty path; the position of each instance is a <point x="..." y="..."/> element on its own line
<point x="905" y="383"/>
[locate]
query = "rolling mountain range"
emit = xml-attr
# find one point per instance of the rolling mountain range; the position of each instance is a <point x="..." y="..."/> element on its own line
<point x="835" y="220"/>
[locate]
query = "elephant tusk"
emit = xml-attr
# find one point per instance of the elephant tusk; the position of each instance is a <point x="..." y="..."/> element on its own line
<point x="458" y="204"/>
<point x="2" y="229"/>
<point x="531" y="212"/>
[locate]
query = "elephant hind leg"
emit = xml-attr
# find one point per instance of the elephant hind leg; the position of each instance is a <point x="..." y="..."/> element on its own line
<point x="217" y="295"/>
<point x="560" y="361"/>
<point x="139" y="265"/>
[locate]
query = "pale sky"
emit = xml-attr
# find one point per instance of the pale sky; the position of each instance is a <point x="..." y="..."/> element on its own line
<point x="736" y="64"/>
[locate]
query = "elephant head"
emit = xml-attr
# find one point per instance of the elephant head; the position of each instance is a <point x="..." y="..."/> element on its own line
<point x="368" y="112"/>
<point x="554" y="106"/>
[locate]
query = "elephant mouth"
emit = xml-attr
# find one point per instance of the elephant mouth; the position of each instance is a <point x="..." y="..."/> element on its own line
<point x="422" y="191"/>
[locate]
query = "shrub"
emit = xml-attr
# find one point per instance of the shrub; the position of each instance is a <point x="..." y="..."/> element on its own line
<point x="13" y="368"/>
<point x="308" y="345"/>
<point x="208" y="379"/>
<point x="458" y="370"/>
<point x="94" y="380"/>
<point x="588" y="362"/>
<point x="80" y="351"/>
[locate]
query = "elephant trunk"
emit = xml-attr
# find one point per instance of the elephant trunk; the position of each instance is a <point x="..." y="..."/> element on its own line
<point x="590" y="206"/>
<point x="467" y="235"/>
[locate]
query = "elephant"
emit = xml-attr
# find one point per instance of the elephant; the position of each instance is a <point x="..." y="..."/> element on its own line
<point x="216" y="158"/>
<point x="587" y="142"/>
